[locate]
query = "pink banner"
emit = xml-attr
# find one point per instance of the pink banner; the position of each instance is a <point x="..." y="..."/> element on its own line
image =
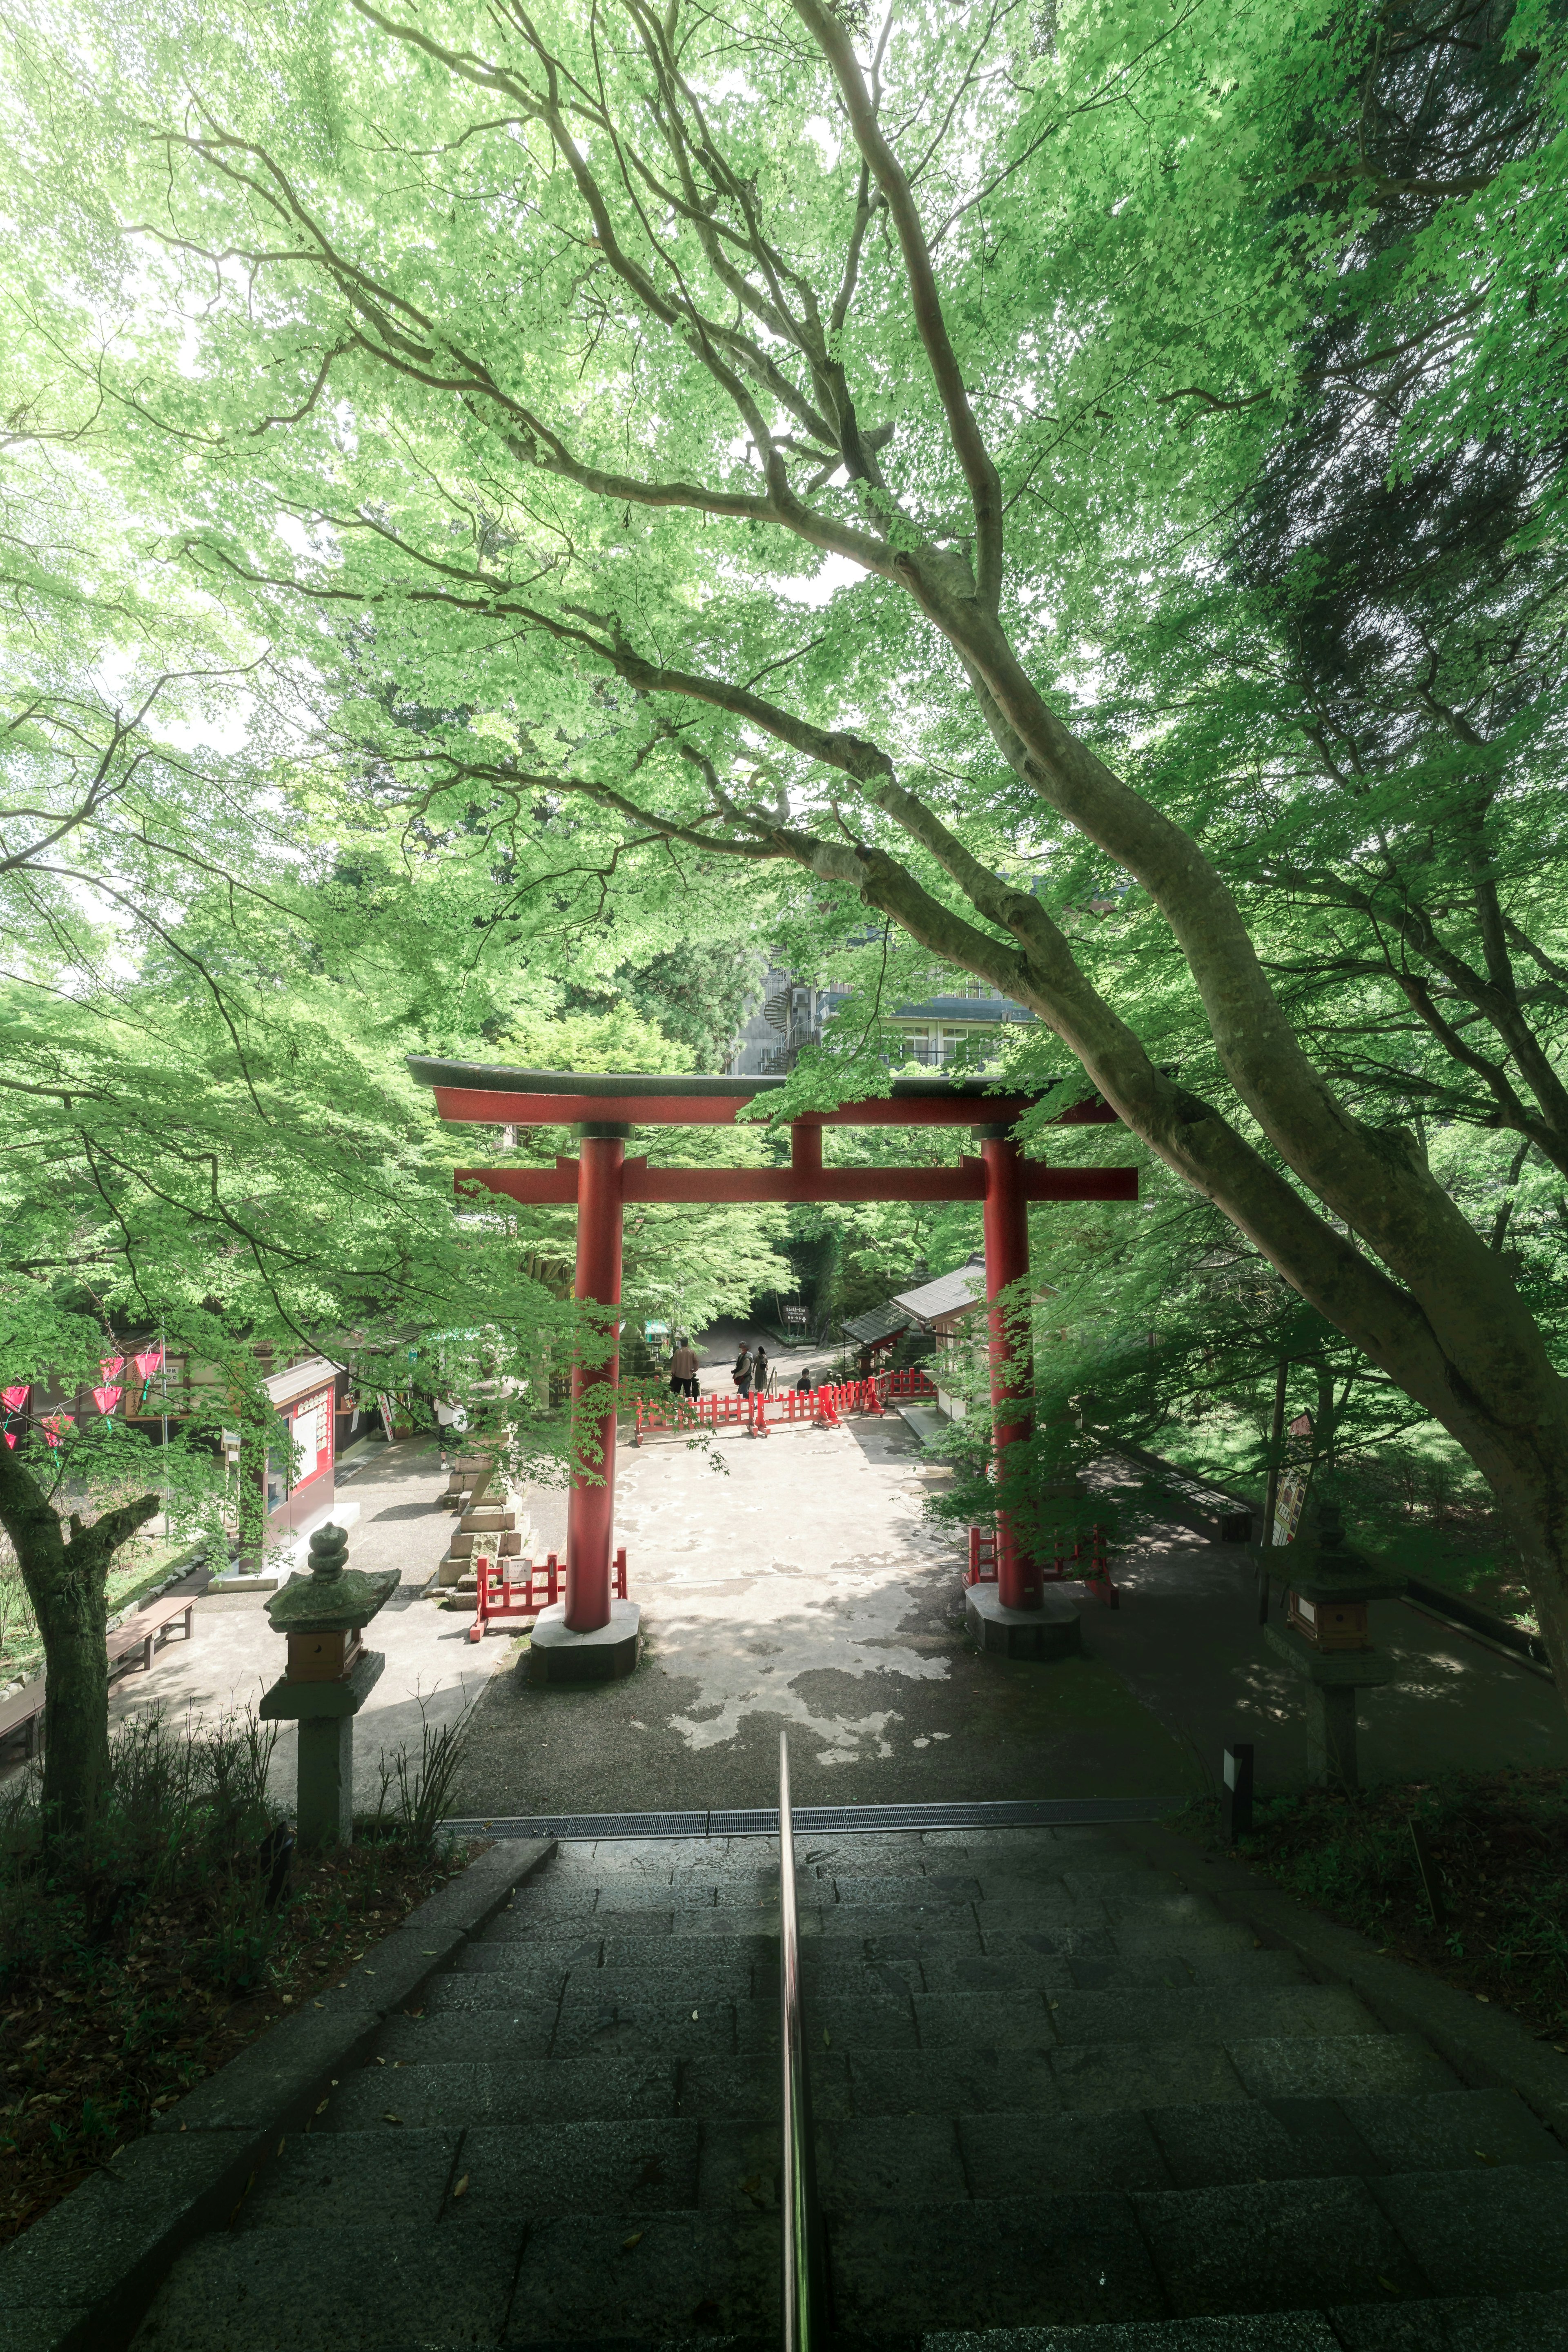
<point x="13" y="1399"/>
<point x="148" y="1363"/>
<point x="109" y="1367"/>
<point x="106" y="1399"/>
<point x="10" y="1437"/>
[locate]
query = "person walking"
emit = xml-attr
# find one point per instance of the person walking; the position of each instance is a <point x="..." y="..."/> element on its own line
<point x="683" y="1367"/>
<point x="803" y="1385"/>
<point x="741" y="1372"/>
<point x="760" y="1371"/>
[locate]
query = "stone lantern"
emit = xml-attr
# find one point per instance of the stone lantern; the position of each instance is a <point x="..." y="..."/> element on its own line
<point x="1326" y="1642"/>
<point x="328" y="1677"/>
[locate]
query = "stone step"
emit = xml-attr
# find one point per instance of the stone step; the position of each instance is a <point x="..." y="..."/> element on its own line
<point x="457" y="2093"/>
<point x="346" y="2180"/>
<point x="487" y="2275"/>
<point x="671" y="2010"/>
<point x="593" y="2019"/>
<point x="351" y="2178"/>
<point x="906" y="2159"/>
<point x="1194" y="2014"/>
<point x="626" y="2084"/>
<point x="935" y="1887"/>
<point x="312" y="2290"/>
<point x="540" y="1975"/>
<point x="951" y="1971"/>
<point x="504" y="1541"/>
<point x="1517" y="2323"/>
<point x="554" y="1900"/>
<point x="1124" y="2255"/>
<point x="657" y="1943"/>
<point x="1107" y="2077"/>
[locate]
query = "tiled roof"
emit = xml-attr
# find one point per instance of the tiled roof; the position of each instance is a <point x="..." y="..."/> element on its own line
<point x="282" y="1388"/>
<point x="881" y="1323"/>
<point x="949" y="1294"/>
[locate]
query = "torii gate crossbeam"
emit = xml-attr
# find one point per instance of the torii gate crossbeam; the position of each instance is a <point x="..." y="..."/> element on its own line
<point x="604" y="1108"/>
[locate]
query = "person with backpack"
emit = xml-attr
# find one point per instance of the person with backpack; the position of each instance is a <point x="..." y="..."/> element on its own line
<point x="741" y="1372"/>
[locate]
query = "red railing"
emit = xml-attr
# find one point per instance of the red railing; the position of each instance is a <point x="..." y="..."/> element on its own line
<point x="541" y="1588"/>
<point x="823" y="1407"/>
<point x="1066" y="1567"/>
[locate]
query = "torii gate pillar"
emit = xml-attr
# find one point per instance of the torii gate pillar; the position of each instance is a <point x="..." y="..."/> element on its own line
<point x="1005" y="1223"/>
<point x="592" y="1636"/>
<point x="591" y="1509"/>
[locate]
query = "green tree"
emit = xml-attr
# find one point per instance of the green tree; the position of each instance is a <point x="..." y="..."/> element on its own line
<point x="579" y="350"/>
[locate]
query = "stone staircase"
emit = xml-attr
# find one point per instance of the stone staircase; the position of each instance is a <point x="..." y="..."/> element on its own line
<point x="1055" y="2093"/>
<point x="491" y="1521"/>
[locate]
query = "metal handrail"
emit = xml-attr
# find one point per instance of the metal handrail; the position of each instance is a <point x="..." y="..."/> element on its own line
<point x="805" y="2311"/>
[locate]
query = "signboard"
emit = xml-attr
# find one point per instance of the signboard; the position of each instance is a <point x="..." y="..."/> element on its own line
<point x="1288" y="1504"/>
<point x="794" y="1316"/>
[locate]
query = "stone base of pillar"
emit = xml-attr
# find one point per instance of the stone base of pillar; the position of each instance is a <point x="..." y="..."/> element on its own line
<point x="1051" y="1631"/>
<point x="556" y="1655"/>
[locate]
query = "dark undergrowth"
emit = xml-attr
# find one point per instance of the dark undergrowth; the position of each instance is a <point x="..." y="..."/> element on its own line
<point x="1498" y="1846"/>
<point x="135" y="1960"/>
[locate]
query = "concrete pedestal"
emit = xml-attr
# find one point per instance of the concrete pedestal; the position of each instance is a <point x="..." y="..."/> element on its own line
<point x="1332" y="1678"/>
<point x="1330" y="1736"/>
<point x="325" y="1713"/>
<point x="1051" y="1631"/>
<point x="557" y="1655"/>
<point x="325" y="1805"/>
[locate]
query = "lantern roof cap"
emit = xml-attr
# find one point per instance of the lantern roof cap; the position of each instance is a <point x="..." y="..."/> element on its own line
<point x="333" y="1597"/>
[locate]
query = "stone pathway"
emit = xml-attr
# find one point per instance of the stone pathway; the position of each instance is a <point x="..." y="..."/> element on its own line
<point x="1054" y="2089"/>
<point x="796" y="1585"/>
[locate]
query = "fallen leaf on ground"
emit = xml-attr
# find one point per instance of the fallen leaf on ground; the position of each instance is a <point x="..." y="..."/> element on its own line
<point x="634" y="2240"/>
<point x="462" y="2187"/>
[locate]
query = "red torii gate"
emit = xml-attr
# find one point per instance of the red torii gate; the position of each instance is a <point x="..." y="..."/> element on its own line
<point x="604" y="1109"/>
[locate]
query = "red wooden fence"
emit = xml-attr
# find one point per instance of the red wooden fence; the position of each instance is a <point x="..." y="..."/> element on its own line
<point x="823" y="1406"/>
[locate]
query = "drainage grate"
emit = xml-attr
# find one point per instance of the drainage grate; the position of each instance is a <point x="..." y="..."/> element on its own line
<point x="817" y="1820"/>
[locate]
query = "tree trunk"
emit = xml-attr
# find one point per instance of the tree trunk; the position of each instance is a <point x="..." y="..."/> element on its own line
<point x="66" y="1582"/>
<point x="69" y="1599"/>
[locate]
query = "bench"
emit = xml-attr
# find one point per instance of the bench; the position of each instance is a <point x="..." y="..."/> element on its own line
<point x="148" y="1629"/>
<point x="146" y="1632"/>
<point x="23" y="1711"/>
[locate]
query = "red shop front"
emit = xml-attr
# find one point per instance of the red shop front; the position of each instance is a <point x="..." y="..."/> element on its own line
<point x="304" y="1491"/>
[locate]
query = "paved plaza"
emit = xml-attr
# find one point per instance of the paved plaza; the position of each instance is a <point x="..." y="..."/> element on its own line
<point x="793" y="1581"/>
